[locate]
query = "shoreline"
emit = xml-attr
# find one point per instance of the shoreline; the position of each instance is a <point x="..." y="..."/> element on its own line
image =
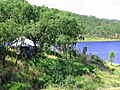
<point x="96" y="39"/>
<point x="100" y="41"/>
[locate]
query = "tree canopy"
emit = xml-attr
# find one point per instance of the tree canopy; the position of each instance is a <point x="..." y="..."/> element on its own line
<point x="18" y="17"/>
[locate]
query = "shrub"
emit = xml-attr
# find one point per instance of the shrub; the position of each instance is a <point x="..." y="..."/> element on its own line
<point x="19" y="86"/>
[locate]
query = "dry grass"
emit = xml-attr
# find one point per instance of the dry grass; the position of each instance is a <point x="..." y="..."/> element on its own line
<point x="111" y="88"/>
<point x="90" y="38"/>
<point x="111" y="80"/>
<point x="51" y="56"/>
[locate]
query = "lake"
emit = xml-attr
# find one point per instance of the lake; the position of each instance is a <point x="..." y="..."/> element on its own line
<point x="102" y="49"/>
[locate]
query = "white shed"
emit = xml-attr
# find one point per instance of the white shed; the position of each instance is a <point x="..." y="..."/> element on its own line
<point x="22" y="41"/>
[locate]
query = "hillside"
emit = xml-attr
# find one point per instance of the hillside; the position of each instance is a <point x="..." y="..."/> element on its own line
<point x="99" y="28"/>
<point x="46" y="69"/>
<point x="52" y="74"/>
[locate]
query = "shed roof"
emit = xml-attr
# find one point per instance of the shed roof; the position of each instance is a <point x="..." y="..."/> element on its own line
<point x="22" y="41"/>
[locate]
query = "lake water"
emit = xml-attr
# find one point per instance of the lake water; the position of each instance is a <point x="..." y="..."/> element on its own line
<point x="102" y="49"/>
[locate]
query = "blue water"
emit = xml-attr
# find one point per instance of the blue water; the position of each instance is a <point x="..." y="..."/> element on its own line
<point x="102" y="49"/>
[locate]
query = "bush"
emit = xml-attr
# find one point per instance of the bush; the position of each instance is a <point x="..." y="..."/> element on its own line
<point x="56" y="71"/>
<point x="19" y="86"/>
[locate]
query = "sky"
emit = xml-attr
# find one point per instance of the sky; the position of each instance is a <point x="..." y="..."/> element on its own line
<point x="108" y="9"/>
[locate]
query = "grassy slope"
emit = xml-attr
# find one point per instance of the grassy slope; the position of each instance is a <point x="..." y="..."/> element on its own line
<point x="109" y="78"/>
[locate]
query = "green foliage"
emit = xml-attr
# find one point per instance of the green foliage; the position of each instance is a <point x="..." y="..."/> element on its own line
<point x="101" y="28"/>
<point x="20" y="18"/>
<point x="16" y="16"/>
<point x="71" y="73"/>
<point x="56" y="71"/>
<point x="19" y="86"/>
<point x="82" y="83"/>
<point x="111" y="56"/>
<point x="84" y="50"/>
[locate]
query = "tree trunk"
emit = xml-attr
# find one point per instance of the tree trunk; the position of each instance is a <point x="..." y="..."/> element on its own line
<point x="35" y="54"/>
<point x="3" y="55"/>
<point x="65" y="50"/>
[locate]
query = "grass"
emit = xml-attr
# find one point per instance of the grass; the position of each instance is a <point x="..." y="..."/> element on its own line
<point x="51" y="56"/>
<point x="110" y="79"/>
<point x="112" y="88"/>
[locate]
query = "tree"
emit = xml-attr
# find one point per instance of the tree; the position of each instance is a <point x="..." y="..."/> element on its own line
<point x="9" y="31"/>
<point x="40" y="32"/>
<point x="40" y="24"/>
<point x="68" y="30"/>
<point x="2" y="54"/>
<point x="111" y="56"/>
<point x="85" y="50"/>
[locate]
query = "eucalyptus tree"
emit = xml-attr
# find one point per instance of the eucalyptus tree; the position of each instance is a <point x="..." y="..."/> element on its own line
<point x="40" y="24"/>
<point x="40" y="32"/>
<point x="68" y="30"/>
<point x="9" y="31"/>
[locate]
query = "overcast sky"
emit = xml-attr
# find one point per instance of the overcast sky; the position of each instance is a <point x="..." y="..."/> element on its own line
<point x="109" y="9"/>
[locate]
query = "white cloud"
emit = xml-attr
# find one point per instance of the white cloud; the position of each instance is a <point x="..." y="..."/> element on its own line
<point x="99" y="8"/>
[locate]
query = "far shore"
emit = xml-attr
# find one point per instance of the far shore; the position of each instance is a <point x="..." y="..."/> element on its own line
<point x="98" y="39"/>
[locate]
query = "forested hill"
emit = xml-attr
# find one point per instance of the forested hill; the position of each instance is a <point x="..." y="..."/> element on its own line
<point x="99" y="27"/>
<point x="18" y="15"/>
